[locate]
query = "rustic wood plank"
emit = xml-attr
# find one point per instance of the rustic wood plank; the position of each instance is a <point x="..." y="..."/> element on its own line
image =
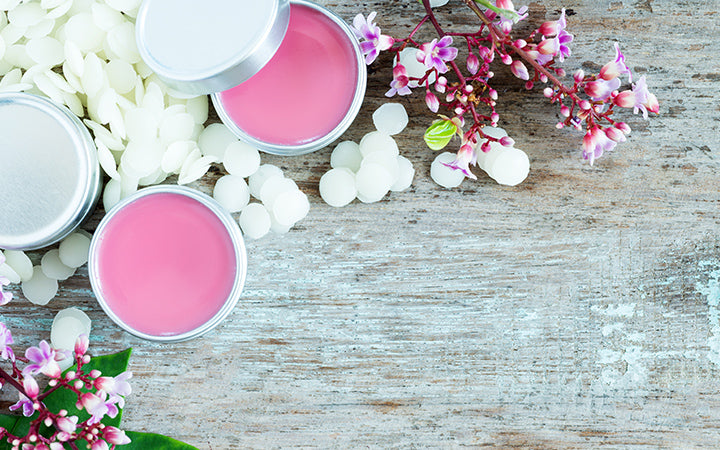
<point x="573" y="311"/>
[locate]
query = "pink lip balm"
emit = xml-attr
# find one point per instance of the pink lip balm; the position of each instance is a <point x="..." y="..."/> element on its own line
<point x="167" y="264"/>
<point x="306" y="89"/>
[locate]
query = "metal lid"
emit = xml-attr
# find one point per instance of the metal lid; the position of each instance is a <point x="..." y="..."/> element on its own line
<point x="209" y="46"/>
<point x="49" y="172"/>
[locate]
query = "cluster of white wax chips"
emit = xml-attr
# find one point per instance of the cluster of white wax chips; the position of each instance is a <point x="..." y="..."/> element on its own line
<point x="83" y="54"/>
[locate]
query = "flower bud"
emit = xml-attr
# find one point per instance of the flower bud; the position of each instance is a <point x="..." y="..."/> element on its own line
<point x="486" y="54"/>
<point x="67" y="424"/>
<point x="609" y="71"/>
<point x="520" y="43"/>
<point x="549" y="28"/>
<point x="506" y="59"/>
<point x="549" y="47"/>
<point x="579" y="76"/>
<point x="548" y="92"/>
<point x="31" y="387"/>
<point x="519" y="70"/>
<point x="493" y="94"/>
<point x="622" y="126"/>
<point x="115" y="436"/>
<point x="625" y="99"/>
<point x="507" y="141"/>
<point x="565" y="111"/>
<point x="81" y="344"/>
<point x="473" y="63"/>
<point x="99" y="445"/>
<point x="584" y="104"/>
<point x="615" y="134"/>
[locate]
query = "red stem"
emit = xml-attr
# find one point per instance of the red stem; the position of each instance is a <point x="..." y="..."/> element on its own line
<point x="12" y="381"/>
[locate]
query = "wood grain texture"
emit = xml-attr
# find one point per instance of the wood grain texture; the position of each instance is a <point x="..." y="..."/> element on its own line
<point x="574" y="311"/>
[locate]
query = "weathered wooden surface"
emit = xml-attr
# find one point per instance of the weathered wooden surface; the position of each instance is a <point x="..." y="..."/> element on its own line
<point x="574" y="311"/>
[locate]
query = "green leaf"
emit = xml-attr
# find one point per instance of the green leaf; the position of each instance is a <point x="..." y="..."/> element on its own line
<point x="143" y="441"/>
<point x="109" y="366"/>
<point x="13" y="424"/>
<point x="439" y="134"/>
<point x="508" y="14"/>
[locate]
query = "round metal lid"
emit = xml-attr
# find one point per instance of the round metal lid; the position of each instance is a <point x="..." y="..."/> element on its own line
<point x="49" y="172"/>
<point x="209" y="46"/>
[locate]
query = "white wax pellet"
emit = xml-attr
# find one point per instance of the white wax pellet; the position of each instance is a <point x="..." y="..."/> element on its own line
<point x="290" y="207"/>
<point x="67" y="326"/>
<point x="112" y="194"/>
<point x="373" y="181"/>
<point x="215" y="139"/>
<point x="39" y="289"/>
<point x="105" y="17"/>
<point x="241" y="159"/>
<point x="346" y="154"/>
<point x="277" y="227"/>
<point x="156" y="177"/>
<point x="107" y="160"/>
<point x="142" y="158"/>
<point x="153" y="100"/>
<point x="121" y="41"/>
<point x="390" y="118"/>
<point x="26" y="14"/>
<point x="258" y="179"/>
<point x="444" y="175"/>
<point x="7" y="5"/>
<point x="20" y="263"/>
<point x="74" y="250"/>
<point x="60" y="82"/>
<point x="232" y="193"/>
<point x="53" y="268"/>
<point x="46" y="51"/>
<point x="414" y="68"/>
<point x="93" y="78"/>
<point x="81" y="29"/>
<point x="436" y="3"/>
<point x="177" y="127"/>
<point x="273" y="187"/>
<point x="175" y="155"/>
<point x="12" y="77"/>
<point x="387" y="160"/>
<point x="8" y="272"/>
<point x="74" y="58"/>
<point x="121" y="76"/>
<point x="378" y="142"/>
<point x="195" y="169"/>
<point x="60" y="11"/>
<point x="337" y="187"/>
<point x="494" y="132"/>
<point x="405" y="176"/>
<point x="198" y="107"/>
<point x="40" y="29"/>
<point x="508" y="166"/>
<point x="255" y="221"/>
<point x="47" y="87"/>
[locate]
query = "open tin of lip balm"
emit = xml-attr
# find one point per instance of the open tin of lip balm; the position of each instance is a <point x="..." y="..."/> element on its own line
<point x="287" y="76"/>
<point x="167" y="263"/>
<point x="49" y="172"/>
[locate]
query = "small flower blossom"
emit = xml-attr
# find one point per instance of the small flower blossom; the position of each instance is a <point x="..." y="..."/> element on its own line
<point x="432" y="101"/>
<point x="505" y="23"/>
<point x="115" y="436"/>
<point x="549" y="47"/>
<point x="615" y="68"/>
<point x="27" y="405"/>
<point x="5" y="340"/>
<point x="81" y="345"/>
<point x="97" y="406"/>
<point x="473" y="63"/>
<point x="644" y="100"/>
<point x="519" y="70"/>
<point x="595" y="143"/>
<point x="374" y="42"/>
<point x="99" y="445"/>
<point x="601" y="89"/>
<point x="564" y="38"/>
<point x="465" y="156"/>
<point x="66" y="424"/>
<point x="625" y="99"/>
<point x="116" y="387"/>
<point x="434" y="54"/>
<point x="43" y="361"/>
<point x="400" y="83"/>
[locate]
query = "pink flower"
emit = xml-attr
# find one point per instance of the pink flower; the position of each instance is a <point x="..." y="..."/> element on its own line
<point x="99" y="445"/>
<point x="434" y="54"/>
<point x="5" y="297"/>
<point x="505" y="23"/>
<point x="625" y="99"/>
<point x="115" y="386"/>
<point x="644" y="100"/>
<point x="66" y="424"/>
<point x="549" y="46"/>
<point x="564" y="38"/>
<point x="43" y="361"/>
<point x="615" y="68"/>
<point x="374" y="42"/>
<point x="432" y="101"/>
<point x="519" y="70"/>
<point x="5" y="340"/>
<point x="81" y="345"/>
<point x="473" y="63"/>
<point x="115" y="436"/>
<point x="465" y="156"/>
<point x="595" y="143"/>
<point x="400" y="82"/>
<point x="601" y="89"/>
<point x="27" y="403"/>
<point x="98" y="406"/>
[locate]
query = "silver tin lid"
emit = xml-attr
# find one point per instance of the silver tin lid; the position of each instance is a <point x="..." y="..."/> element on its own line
<point x="234" y="233"/>
<point x="49" y="172"/>
<point x="209" y="46"/>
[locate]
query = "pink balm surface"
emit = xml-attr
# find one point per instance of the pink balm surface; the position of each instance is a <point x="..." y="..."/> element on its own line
<point x="166" y="264"/>
<point x="306" y="89"/>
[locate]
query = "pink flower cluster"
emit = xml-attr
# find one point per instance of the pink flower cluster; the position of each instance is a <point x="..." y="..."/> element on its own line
<point x="470" y="101"/>
<point x="99" y="396"/>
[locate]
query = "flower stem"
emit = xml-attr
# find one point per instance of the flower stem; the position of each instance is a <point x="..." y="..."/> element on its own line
<point x="441" y="32"/>
<point x="13" y="382"/>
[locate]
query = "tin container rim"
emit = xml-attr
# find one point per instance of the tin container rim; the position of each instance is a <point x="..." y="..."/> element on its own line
<point x="87" y="153"/>
<point x="240" y="67"/>
<point x="231" y="228"/>
<point x="358" y="98"/>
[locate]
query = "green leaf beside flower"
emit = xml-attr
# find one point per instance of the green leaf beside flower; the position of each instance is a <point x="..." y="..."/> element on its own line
<point x="439" y="134"/>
